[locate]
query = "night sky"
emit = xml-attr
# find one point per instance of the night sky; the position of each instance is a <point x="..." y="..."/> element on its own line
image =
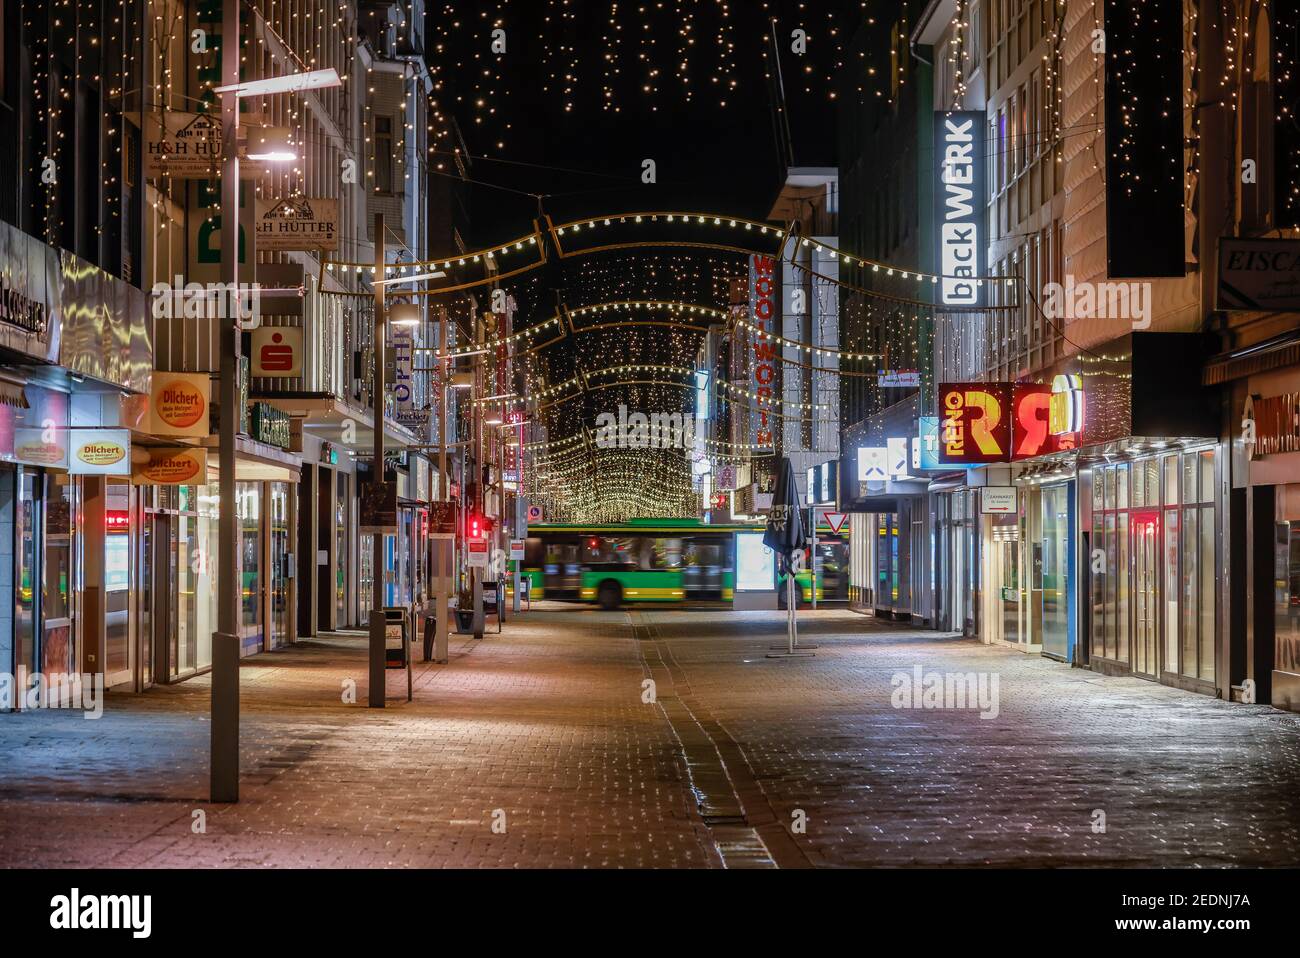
<point x="566" y="112"/>
<point x="584" y="93"/>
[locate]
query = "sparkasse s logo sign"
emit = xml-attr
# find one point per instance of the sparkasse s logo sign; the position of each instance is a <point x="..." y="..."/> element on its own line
<point x="960" y="201"/>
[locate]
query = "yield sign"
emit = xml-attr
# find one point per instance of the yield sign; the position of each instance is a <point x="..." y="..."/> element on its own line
<point x="835" y="520"/>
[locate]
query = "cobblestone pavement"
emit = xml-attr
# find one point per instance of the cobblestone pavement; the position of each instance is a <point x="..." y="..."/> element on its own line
<point x="547" y="726"/>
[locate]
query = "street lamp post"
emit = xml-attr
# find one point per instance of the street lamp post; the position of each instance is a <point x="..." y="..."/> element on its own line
<point x="378" y="622"/>
<point x="223" y="769"/>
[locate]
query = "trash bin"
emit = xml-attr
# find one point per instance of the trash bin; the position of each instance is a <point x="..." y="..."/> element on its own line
<point x="464" y="620"/>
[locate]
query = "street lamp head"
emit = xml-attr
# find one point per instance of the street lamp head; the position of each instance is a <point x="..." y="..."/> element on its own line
<point x="288" y="83"/>
<point x="405" y="314"/>
<point x="270" y="144"/>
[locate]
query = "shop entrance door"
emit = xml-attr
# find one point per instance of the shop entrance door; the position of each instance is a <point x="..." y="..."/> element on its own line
<point x="1054" y="572"/>
<point x="280" y="559"/>
<point x="1145" y="532"/>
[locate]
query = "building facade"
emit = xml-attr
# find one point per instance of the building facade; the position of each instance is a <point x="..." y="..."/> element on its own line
<point x="1082" y="497"/>
<point x="109" y="354"/>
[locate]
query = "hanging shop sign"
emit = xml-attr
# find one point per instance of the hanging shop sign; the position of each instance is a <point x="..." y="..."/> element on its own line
<point x="975" y="423"/>
<point x="269" y="425"/>
<point x="1047" y="418"/>
<point x="378" y="508"/>
<point x="1258" y="274"/>
<point x="179" y="404"/>
<point x="763" y="359"/>
<point x="277" y="351"/>
<point x="898" y="378"/>
<point x="443" y="517"/>
<point x="41" y="446"/>
<point x="997" y="500"/>
<point x="959" y="156"/>
<point x="100" y="452"/>
<point x="873" y="463"/>
<point x="896" y="447"/>
<point x="169" y="465"/>
<point x="1066" y="415"/>
<point x="188" y="146"/>
<point x="298" y="223"/>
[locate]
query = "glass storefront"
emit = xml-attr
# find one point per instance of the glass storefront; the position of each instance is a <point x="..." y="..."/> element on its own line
<point x="281" y="549"/>
<point x="1054" y="570"/>
<point x="341" y="549"/>
<point x="366" y="580"/>
<point x="47" y="563"/>
<point x="1154" y="599"/>
<point x="1004" y="535"/>
<point x="120" y="658"/>
<point x="248" y="499"/>
<point x="178" y="564"/>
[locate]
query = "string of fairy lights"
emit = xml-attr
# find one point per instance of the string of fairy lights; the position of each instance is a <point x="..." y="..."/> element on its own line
<point x="615" y="55"/>
<point x="634" y="65"/>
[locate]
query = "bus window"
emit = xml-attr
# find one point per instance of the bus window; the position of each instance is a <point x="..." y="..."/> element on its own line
<point x="665" y="554"/>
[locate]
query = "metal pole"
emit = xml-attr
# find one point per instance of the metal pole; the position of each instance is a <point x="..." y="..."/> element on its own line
<point x="480" y="494"/>
<point x="812" y="549"/>
<point x="377" y="619"/>
<point x="224" y="763"/>
<point x="445" y="364"/>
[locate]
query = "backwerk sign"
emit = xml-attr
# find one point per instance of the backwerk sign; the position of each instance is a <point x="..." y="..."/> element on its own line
<point x="960" y="200"/>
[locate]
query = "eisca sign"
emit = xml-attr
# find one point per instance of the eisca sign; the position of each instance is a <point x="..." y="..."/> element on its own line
<point x="959" y="150"/>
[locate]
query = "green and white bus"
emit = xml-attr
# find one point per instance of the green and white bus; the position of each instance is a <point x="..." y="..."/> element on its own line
<point x="654" y="561"/>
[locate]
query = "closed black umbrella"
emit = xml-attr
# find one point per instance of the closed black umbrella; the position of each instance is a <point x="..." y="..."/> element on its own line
<point x="784" y="536"/>
<point x="784" y="532"/>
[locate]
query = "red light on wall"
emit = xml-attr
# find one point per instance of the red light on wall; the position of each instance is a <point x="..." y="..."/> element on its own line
<point x="117" y="520"/>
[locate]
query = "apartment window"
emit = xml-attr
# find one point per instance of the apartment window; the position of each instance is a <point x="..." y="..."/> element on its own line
<point x="974" y="38"/>
<point x="383" y="154"/>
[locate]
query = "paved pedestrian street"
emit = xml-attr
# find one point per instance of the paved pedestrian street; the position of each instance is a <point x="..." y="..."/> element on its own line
<point x="581" y="738"/>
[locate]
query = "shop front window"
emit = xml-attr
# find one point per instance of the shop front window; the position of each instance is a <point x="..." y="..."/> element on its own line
<point x="366" y="580"/>
<point x="57" y="652"/>
<point x="280" y="549"/>
<point x="248" y="495"/>
<point x="341" y="548"/>
<point x="1055" y="570"/>
<point x="25" y="624"/>
<point x="117" y="583"/>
